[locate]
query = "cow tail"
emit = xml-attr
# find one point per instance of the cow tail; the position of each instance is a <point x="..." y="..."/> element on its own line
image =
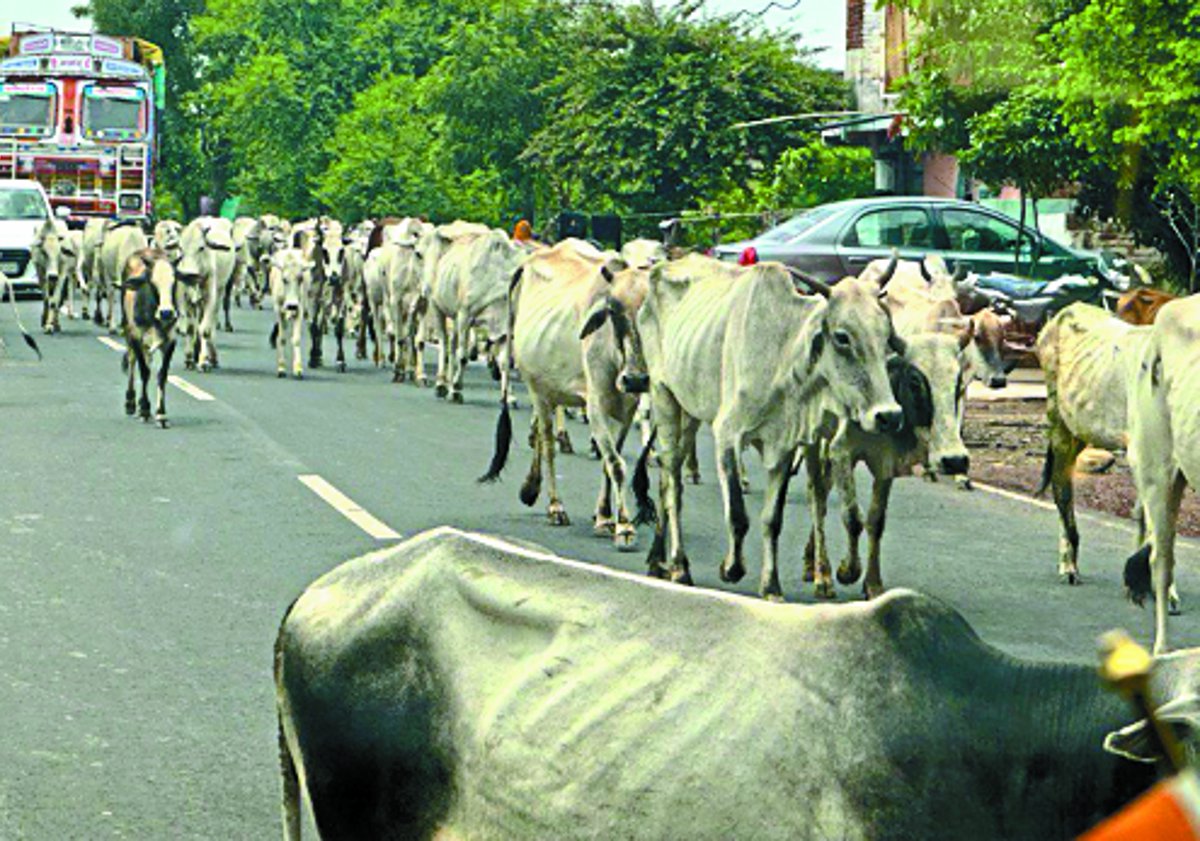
<point x="646" y="511"/>
<point x="273" y="339"/>
<point x="12" y="299"/>
<point x="1047" y="471"/>
<point x="504" y="422"/>
<point x="1137" y="575"/>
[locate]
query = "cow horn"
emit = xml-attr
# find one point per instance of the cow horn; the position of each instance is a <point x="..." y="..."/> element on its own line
<point x="968" y="333"/>
<point x="897" y="344"/>
<point x="819" y="286"/>
<point x="925" y="271"/>
<point x="891" y="268"/>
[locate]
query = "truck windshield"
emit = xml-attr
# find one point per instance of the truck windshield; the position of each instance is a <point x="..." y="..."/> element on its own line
<point x="22" y="112"/>
<point x="110" y="116"/>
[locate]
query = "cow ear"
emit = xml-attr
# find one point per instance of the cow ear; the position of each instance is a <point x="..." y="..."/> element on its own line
<point x="818" y="345"/>
<point x="595" y="320"/>
<point x="1138" y="743"/>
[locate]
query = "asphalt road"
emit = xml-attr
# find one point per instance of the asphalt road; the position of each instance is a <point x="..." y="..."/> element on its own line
<point x="143" y="573"/>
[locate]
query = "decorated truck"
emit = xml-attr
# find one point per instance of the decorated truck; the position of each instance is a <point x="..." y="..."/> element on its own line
<point x="80" y="113"/>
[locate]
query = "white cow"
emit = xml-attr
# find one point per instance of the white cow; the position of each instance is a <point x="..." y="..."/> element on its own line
<point x="290" y="278"/>
<point x="1164" y="446"/>
<point x="55" y="264"/>
<point x="121" y="240"/>
<point x="89" y="266"/>
<point x="205" y="266"/>
<point x="742" y="349"/>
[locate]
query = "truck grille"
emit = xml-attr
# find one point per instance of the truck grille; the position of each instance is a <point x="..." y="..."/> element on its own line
<point x="14" y="256"/>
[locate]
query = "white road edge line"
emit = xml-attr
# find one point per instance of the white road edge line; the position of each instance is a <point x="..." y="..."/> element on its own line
<point x="348" y="508"/>
<point x="189" y="389"/>
<point x="112" y="344"/>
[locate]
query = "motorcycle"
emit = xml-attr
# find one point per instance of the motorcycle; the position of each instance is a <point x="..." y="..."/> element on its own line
<point x="1027" y="304"/>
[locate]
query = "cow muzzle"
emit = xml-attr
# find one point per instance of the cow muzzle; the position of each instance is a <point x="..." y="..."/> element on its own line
<point x="167" y="315"/>
<point x="997" y="381"/>
<point x="630" y="382"/>
<point x="291" y="307"/>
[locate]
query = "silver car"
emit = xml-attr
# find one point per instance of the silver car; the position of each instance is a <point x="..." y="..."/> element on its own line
<point x="23" y="210"/>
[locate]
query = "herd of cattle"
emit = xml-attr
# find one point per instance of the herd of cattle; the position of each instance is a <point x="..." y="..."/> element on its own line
<point x="872" y="369"/>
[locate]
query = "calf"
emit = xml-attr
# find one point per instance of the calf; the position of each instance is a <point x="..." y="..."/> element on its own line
<point x="460" y="686"/>
<point x="289" y="278"/>
<point x="53" y="259"/>
<point x="1164" y="446"/>
<point x="150" y="302"/>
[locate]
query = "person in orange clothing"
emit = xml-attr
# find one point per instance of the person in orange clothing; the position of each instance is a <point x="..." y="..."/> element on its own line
<point x="523" y="232"/>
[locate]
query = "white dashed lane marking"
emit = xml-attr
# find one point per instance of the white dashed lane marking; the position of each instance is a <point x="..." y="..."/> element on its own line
<point x="189" y="389"/>
<point x="112" y="344"/>
<point x="348" y="508"/>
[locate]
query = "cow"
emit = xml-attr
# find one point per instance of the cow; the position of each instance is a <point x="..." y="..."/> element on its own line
<point x="460" y="686"/>
<point x="1140" y="306"/>
<point x="740" y="348"/>
<point x="643" y="253"/>
<point x="928" y="382"/>
<point x="346" y="297"/>
<point x="89" y="267"/>
<point x="376" y="270"/>
<point x="406" y="306"/>
<point x="1164" y="447"/>
<point x="324" y="251"/>
<point x="166" y="238"/>
<point x="466" y="288"/>
<point x="290" y="279"/>
<point x="54" y="260"/>
<point x="121" y="239"/>
<point x="1087" y="356"/>
<point x="205" y="267"/>
<point x="245" y="264"/>
<point x="571" y="323"/>
<point x="150" y="305"/>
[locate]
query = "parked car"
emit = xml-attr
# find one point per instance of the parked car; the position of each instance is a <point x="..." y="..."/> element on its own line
<point x="23" y="210"/>
<point x="834" y="240"/>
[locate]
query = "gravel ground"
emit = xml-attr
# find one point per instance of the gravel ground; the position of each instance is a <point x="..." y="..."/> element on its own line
<point x="1007" y="440"/>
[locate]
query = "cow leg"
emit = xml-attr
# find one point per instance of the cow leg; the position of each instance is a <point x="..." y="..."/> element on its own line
<point x="673" y="428"/>
<point x="440" y="388"/>
<point x="298" y="344"/>
<point x="555" y="510"/>
<point x="458" y="361"/>
<point x="339" y="334"/>
<point x="737" y="523"/>
<point x="316" y="334"/>
<point x="779" y="474"/>
<point x="691" y="465"/>
<point x="876" y="520"/>
<point x="608" y="433"/>
<point x="225" y="298"/>
<point x="143" y="363"/>
<point x="114" y="295"/>
<point x="280" y="343"/>
<point x="130" y="365"/>
<point x="164" y="369"/>
<point x="208" y="350"/>
<point x="818" y="498"/>
<point x="561" y="436"/>
<point x="850" y="570"/>
<point x="1064" y="450"/>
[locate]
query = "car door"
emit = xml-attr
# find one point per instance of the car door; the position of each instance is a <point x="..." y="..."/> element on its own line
<point x="987" y="241"/>
<point x="876" y="231"/>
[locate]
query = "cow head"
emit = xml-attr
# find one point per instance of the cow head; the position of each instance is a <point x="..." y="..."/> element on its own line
<point x="202" y="242"/>
<point x="632" y="378"/>
<point x="984" y="358"/>
<point x="149" y="280"/>
<point x="166" y="238"/>
<point x="848" y="348"/>
<point x="48" y="254"/>
<point x="929" y="382"/>
<point x="330" y="254"/>
<point x="289" y="279"/>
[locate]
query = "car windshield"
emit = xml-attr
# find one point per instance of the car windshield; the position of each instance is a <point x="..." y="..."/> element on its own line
<point x="21" y="204"/>
<point x="797" y="225"/>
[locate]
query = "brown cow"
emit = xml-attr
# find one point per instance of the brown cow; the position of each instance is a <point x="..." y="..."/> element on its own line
<point x="1140" y="306"/>
<point x="150" y="303"/>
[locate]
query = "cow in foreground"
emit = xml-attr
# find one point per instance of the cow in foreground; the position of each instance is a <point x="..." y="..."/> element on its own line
<point x="150" y="303"/>
<point x="55" y="261"/>
<point x="459" y="686"/>
<point x="740" y="348"/>
<point x="1088" y="357"/>
<point x="290" y="276"/>
<point x="571" y="322"/>
<point x="1164" y="447"/>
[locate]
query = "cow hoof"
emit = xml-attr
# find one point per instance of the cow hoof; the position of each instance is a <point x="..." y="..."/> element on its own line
<point x="281" y="373"/>
<point x="163" y="423"/>
<point x="441" y="391"/>
<point x="558" y="516"/>
<point x="732" y="573"/>
<point x="625" y="537"/>
<point x="964" y="483"/>
<point x="847" y="575"/>
<point x="1173" y="606"/>
<point x="825" y="590"/>
<point x="341" y="366"/>
<point x="657" y="571"/>
<point x="872" y="591"/>
<point x="776" y="598"/>
<point x="564" y="444"/>
<point x="681" y="576"/>
<point x="694" y="478"/>
<point x="456" y="397"/>
<point x="604" y="526"/>
<point x="130" y="409"/>
<point x="398" y="376"/>
<point x="298" y="375"/>
<point x="314" y="363"/>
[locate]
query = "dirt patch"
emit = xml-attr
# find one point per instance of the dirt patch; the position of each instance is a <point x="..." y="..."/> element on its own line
<point x="1007" y="440"/>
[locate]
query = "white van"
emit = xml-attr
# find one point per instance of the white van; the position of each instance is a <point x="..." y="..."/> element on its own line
<point x="23" y="210"/>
